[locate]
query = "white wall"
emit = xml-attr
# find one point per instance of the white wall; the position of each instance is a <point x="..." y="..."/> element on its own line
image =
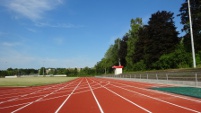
<point x="118" y="71"/>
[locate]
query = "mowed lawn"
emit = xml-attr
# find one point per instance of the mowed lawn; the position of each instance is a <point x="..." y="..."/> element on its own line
<point x="33" y="81"/>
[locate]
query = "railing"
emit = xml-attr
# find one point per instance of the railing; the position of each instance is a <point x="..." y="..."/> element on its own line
<point x="185" y="78"/>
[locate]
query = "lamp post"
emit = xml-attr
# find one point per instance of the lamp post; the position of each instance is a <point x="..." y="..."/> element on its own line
<point x="191" y="32"/>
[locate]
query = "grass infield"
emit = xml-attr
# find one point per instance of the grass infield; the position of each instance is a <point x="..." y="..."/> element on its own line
<point x="32" y="81"/>
<point x="188" y="91"/>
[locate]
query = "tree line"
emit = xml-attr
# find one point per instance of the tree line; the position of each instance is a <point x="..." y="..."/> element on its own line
<point x="156" y="45"/>
<point x="18" y="72"/>
<point x="69" y="72"/>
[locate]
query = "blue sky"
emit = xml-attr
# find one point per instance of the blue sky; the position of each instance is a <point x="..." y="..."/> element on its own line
<point x="68" y="33"/>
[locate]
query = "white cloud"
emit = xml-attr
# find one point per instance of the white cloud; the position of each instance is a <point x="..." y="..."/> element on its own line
<point x="57" y="25"/>
<point x="32" y="9"/>
<point x="10" y="44"/>
<point x="36" y="10"/>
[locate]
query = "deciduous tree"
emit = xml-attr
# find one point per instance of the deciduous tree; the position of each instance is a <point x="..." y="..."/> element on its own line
<point x="196" y="24"/>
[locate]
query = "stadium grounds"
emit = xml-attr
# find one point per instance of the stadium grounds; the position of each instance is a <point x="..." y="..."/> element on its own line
<point x="96" y="95"/>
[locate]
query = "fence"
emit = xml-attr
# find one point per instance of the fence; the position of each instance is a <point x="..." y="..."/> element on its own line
<point x="184" y="78"/>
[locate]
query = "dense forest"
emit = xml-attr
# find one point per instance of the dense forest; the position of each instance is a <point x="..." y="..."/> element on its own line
<point x="156" y="45"/>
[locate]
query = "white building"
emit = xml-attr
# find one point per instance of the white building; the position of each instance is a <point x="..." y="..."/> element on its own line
<point x="117" y="70"/>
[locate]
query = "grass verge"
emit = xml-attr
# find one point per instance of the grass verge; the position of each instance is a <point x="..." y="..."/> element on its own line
<point x="32" y="81"/>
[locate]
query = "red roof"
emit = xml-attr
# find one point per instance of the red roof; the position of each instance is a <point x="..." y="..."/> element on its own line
<point x="117" y="66"/>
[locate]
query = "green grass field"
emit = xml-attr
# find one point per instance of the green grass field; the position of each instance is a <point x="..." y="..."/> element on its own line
<point x="32" y="81"/>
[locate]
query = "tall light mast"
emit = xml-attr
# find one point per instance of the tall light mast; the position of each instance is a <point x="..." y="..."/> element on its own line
<point x="118" y="50"/>
<point x="191" y="32"/>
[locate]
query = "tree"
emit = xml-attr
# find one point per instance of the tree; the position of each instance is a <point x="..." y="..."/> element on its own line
<point x="122" y="52"/>
<point x="198" y="59"/>
<point x="42" y="71"/>
<point x="111" y="56"/>
<point x="177" y="59"/>
<point x="141" y="44"/>
<point x="87" y="71"/>
<point x="75" y="72"/>
<point x="110" y="59"/>
<point x="196" y="24"/>
<point x="100" y="67"/>
<point x="136" y="24"/>
<point x="3" y="73"/>
<point x="157" y="38"/>
<point x="68" y="72"/>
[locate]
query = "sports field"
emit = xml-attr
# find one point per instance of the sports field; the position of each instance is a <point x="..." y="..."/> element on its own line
<point x="95" y="95"/>
<point x="33" y="81"/>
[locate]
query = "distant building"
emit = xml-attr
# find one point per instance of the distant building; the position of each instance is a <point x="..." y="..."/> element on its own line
<point x="117" y="70"/>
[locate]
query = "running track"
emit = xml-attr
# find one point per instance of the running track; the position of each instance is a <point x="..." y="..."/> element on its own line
<point x="95" y="95"/>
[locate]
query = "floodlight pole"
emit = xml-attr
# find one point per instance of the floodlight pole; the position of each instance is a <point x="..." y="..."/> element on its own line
<point x="191" y="32"/>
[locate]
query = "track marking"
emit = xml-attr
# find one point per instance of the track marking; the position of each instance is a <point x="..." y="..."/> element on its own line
<point x="99" y="106"/>
<point x="40" y="98"/>
<point x="41" y="95"/>
<point x="67" y="97"/>
<point x="158" y="99"/>
<point x="126" y="99"/>
<point x="37" y="91"/>
<point x="6" y="107"/>
<point x="182" y="97"/>
<point x="78" y="92"/>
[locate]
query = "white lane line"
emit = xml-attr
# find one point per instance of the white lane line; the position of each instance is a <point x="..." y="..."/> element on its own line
<point x="99" y="106"/>
<point x="40" y="98"/>
<point x="126" y="99"/>
<point x="158" y="99"/>
<point x="18" y="97"/>
<point x="67" y="97"/>
<point x="154" y="91"/>
<point x="25" y="90"/>
<point x="6" y="107"/>
<point x="52" y="98"/>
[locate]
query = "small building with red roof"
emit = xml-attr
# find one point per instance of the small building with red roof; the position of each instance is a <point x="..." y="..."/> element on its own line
<point x="117" y="69"/>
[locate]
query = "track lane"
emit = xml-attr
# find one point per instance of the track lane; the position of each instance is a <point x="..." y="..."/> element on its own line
<point x="20" y="93"/>
<point x="27" y="104"/>
<point x="176" y="104"/>
<point x="144" y="87"/>
<point x="81" y="102"/>
<point x="112" y="102"/>
<point x="67" y="97"/>
<point x="99" y="106"/>
<point x="163" y="97"/>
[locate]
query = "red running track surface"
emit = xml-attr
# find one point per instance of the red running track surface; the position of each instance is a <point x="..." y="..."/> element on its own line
<point x="95" y="95"/>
